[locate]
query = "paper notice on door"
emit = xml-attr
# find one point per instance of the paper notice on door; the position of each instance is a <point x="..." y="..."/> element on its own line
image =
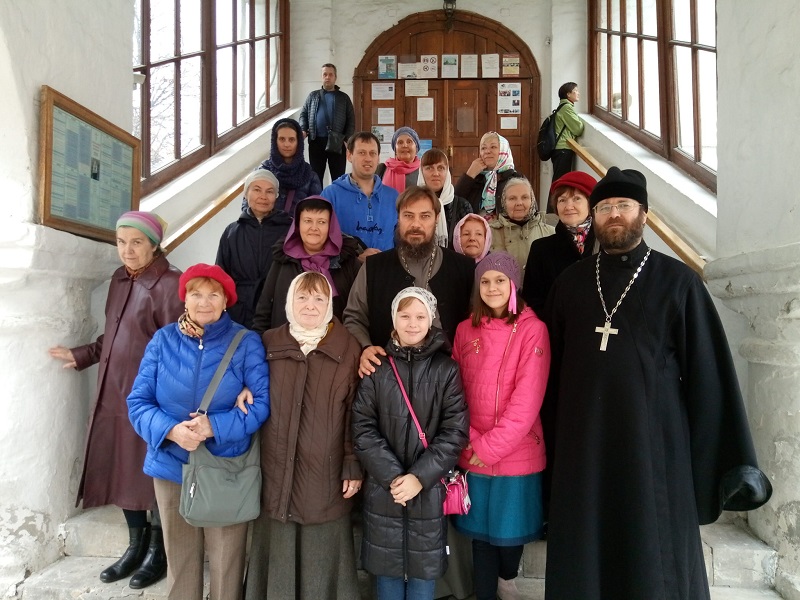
<point x="508" y="122"/>
<point x="430" y="66"/>
<point x="424" y="109"/>
<point x="409" y="70"/>
<point x="449" y="66"/>
<point x="490" y="66"/>
<point x="383" y="91"/>
<point x="384" y="133"/>
<point x="509" y="98"/>
<point x="416" y="87"/>
<point x="386" y="116"/>
<point x="469" y="66"/>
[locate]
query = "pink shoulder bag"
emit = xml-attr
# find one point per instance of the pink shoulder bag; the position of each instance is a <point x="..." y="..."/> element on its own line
<point x="456" y="499"/>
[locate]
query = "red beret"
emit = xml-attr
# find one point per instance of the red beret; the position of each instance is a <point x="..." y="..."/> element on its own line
<point x="212" y="272"/>
<point x="583" y="182"/>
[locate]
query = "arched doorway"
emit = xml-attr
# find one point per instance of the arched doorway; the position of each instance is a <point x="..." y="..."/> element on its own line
<point x="453" y="113"/>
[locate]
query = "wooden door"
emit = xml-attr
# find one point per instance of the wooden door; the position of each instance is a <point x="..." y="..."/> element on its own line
<point x="464" y="109"/>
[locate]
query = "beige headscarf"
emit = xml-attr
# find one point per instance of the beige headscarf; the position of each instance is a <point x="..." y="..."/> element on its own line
<point x="307" y="338"/>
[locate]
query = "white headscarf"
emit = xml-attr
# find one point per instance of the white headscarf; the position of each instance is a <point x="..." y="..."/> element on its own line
<point x="307" y="338"/>
<point x="445" y="197"/>
<point x="421" y="294"/>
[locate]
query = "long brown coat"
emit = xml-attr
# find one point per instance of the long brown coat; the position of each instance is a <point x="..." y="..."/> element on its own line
<point x="114" y="456"/>
<point x="306" y="446"/>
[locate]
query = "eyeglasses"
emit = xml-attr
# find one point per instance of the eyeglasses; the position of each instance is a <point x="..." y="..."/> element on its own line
<point x="622" y="208"/>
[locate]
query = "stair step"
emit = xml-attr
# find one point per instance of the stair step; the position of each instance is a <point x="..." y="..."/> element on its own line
<point x="726" y="593"/>
<point x="737" y="559"/>
<point x="78" y="577"/>
<point x="96" y="532"/>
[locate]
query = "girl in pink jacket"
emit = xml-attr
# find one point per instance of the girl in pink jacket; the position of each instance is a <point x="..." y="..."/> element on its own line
<point x="504" y="354"/>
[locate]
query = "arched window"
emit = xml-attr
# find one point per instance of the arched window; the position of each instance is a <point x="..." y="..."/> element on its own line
<point x="210" y="71"/>
<point x="654" y="77"/>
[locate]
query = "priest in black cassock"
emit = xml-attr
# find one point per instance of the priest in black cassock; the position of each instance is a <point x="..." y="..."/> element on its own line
<point x="647" y="429"/>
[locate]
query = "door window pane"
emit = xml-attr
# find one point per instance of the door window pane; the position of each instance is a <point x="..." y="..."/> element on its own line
<point x="602" y="67"/>
<point x="631" y="24"/>
<point x="602" y="14"/>
<point x="706" y="22"/>
<point x="261" y="75"/>
<point x="274" y="16"/>
<point x="681" y="21"/>
<point x="224" y="90"/>
<point x="707" y="75"/>
<point x="275" y="92"/>
<point x="162" y="30"/>
<point x="651" y="89"/>
<point x="243" y="91"/>
<point x="242" y="20"/>
<point x="616" y="77"/>
<point x="191" y="29"/>
<point x="223" y="17"/>
<point x="191" y="80"/>
<point x="162" y="116"/>
<point x="684" y="95"/>
<point x="632" y="61"/>
<point x="261" y="17"/>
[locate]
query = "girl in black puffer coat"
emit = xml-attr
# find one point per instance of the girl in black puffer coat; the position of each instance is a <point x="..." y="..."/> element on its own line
<point x="405" y="531"/>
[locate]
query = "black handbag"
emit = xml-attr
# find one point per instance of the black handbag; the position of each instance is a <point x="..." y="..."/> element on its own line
<point x="335" y="141"/>
<point x="217" y="491"/>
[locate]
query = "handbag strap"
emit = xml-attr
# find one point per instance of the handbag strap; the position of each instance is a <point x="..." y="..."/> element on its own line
<point x="325" y="108"/>
<point x="288" y="203"/>
<point x="408" y="403"/>
<point x="223" y="365"/>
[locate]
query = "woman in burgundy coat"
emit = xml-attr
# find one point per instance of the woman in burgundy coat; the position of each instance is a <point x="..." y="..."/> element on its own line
<point x="142" y="298"/>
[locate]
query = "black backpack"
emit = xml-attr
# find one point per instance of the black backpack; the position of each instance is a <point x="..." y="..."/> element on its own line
<point x="547" y="139"/>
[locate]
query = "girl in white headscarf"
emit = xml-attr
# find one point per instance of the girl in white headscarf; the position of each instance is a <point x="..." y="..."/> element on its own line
<point x="303" y="540"/>
<point x="405" y="530"/>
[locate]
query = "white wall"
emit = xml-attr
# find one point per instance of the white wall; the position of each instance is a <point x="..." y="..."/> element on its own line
<point x="82" y="49"/>
<point x="759" y="147"/>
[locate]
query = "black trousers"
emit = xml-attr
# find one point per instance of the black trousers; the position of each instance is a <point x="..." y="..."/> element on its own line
<point x="563" y="162"/>
<point x="490" y="562"/>
<point x="318" y="158"/>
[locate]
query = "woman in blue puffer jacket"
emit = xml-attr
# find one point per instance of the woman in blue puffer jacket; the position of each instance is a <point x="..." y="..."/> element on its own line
<point x="177" y="367"/>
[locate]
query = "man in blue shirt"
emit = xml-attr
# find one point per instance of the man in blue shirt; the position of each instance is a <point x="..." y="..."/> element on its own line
<point x="365" y="207"/>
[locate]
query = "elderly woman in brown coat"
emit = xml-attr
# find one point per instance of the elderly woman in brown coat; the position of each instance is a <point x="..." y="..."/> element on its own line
<point x="142" y="298"/>
<point x="303" y="541"/>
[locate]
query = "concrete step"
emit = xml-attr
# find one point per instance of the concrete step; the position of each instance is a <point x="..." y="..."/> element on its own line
<point x="739" y="566"/>
<point x="737" y="559"/>
<point x="96" y="532"/>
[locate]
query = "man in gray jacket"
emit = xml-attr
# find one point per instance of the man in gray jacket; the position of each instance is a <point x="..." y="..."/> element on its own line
<point x="327" y="112"/>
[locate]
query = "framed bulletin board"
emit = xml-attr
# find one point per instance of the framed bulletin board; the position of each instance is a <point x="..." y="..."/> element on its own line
<point x="89" y="169"/>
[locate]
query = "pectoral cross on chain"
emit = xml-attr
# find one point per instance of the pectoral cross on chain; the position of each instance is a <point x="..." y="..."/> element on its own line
<point x="606" y="330"/>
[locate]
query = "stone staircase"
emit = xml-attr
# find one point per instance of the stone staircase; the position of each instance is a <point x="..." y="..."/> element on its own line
<point x="739" y="566"/>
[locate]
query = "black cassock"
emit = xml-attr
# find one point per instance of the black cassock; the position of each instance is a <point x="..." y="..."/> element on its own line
<point x="648" y="439"/>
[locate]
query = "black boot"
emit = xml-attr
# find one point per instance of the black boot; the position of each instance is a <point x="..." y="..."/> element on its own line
<point x="154" y="565"/>
<point x="130" y="561"/>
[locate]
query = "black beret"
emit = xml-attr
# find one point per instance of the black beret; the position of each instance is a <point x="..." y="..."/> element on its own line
<point x="618" y="183"/>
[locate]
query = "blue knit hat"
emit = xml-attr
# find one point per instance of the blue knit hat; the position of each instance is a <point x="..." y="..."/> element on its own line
<point x="408" y="131"/>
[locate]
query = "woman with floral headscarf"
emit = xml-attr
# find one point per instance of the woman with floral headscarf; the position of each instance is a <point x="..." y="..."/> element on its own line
<point x="486" y="177"/>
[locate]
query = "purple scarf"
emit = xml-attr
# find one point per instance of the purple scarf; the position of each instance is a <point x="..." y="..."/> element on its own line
<point x="320" y="262"/>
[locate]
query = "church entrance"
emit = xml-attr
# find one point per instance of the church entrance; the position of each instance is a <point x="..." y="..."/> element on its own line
<point x="451" y="82"/>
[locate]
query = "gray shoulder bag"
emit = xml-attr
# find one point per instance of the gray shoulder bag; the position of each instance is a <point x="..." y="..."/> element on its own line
<point x="219" y="491"/>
